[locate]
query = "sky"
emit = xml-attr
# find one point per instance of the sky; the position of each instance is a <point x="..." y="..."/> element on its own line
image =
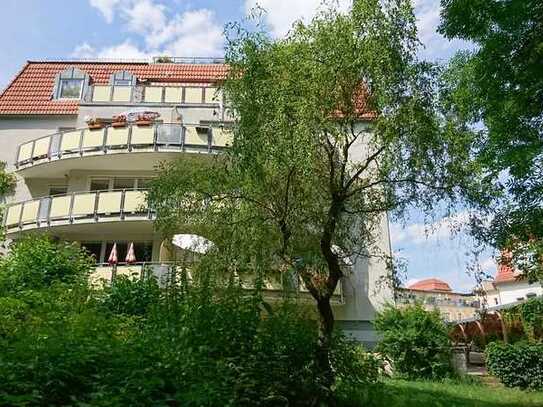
<point x="135" y="29"/>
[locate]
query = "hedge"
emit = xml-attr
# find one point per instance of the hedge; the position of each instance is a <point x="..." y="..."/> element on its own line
<point x="516" y="365"/>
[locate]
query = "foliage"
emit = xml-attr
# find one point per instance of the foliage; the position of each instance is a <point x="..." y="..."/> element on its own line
<point x="190" y="345"/>
<point x="500" y="84"/>
<point x="38" y="261"/>
<point x="416" y="341"/>
<point x="130" y="295"/>
<point x="335" y="125"/>
<point x="7" y="180"/>
<point x="402" y="393"/>
<point x="530" y="316"/>
<point x="516" y="365"/>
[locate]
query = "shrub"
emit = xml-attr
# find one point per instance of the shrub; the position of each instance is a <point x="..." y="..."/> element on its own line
<point x="190" y="346"/>
<point x="516" y="365"/>
<point x="131" y="296"/>
<point x="416" y="341"/>
<point x="38" y="261"/>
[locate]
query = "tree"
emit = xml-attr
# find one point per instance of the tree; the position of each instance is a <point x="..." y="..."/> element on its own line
<point x="37" y="261"/>
<point x="499" y="84"/>
<point x="336" y="125"/>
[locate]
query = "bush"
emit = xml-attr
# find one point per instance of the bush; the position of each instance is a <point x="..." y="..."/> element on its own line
<point x="190" y="346"/>
<point x="131" y="296"/>
<point x="38" y="261"/>
<point x="416" y="341"/>
<point x="516" y="365"/>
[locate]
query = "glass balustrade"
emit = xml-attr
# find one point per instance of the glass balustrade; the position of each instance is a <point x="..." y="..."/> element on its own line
<point x="77" y="207"/>
<point x="131" y="138"/>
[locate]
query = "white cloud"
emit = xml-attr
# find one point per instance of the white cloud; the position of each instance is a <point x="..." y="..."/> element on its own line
<point x="417" y="233"/>
<point x="190" y="33"/>
<point x="436" y="46"/>
<point x="144" y="16"/>
<point x="106" y="7"/>
<point x="488" y="264"/>
<point x="280" y="14"/>
<point x="125" y="50"/>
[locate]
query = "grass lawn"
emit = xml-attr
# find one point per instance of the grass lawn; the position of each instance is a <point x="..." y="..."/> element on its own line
<point x="401" y="393"/>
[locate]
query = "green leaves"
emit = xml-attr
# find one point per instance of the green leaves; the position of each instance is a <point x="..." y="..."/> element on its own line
<point x="517" y="365"/>
<point x="497" y="91"/>
<point x="416" y="341"/>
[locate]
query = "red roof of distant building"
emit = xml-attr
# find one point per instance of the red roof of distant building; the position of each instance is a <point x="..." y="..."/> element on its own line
<point x="31" y="90"/>
<point x="505" y="271"/>
<point x="430" y="284"/>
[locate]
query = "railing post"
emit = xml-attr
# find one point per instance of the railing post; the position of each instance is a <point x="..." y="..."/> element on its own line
<point x="81" y="132"/>
<point x="96" y="200"/>
<point x="104" y="139"/>
<point x="121" y="209"/>
<point x="129" y="141"/>
<point x="32" y="152"/>
<point x="71" y="212"/>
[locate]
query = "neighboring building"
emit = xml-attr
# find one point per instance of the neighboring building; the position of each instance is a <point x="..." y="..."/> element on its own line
<point x="508" y="286"/>
<point x="88" y="185"/>
<point x="433" y="293"/>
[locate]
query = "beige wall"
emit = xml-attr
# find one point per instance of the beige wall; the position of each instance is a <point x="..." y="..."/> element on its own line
<point x="17" y="130"/>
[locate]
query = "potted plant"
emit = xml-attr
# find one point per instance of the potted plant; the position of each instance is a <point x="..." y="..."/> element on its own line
<point x="95" y="123"/>
<point x="144" y="119"/>
<point x="119" y="121"/>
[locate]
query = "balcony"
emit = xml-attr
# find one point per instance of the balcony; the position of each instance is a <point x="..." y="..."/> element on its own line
<point x="135" y="148"/>
<point x="273" y="288"/>
<point x="154" y="95"/>
<point x="80" y="208"/>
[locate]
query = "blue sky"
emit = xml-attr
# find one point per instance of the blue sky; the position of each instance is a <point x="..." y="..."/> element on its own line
<point x="37" y="29"/>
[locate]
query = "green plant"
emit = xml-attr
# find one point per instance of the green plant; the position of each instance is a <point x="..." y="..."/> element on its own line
<point x="131" y="296"/>
<point x="516" y="365"/>
<point x="415" y="340"/>
<point x="38" y="261"/>
<point x="7" y="180"/>
<point x="531" y="313"/>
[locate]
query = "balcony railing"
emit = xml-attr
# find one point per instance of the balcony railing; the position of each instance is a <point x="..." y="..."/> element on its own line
<point x="77" y="207"/>
<point x="131" y="138"/>
<point x="164" y="271"/>
<point x="171" y="95"/>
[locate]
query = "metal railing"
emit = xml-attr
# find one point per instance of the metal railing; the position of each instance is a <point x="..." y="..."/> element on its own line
<point x="109" y="139"/>
<point x="86" y="207"/>
<point x="164" y="272"/>
<point x="188" y="60"/>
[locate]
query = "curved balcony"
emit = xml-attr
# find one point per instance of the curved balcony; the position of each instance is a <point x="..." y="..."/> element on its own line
<point x="79" y="208"/>
<point x="134" y="147"/>
<point x="273" y="288"/>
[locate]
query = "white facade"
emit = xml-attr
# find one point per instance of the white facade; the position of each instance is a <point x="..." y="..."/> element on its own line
<point x="511" y="291"/>
<point x="62" y="192"/>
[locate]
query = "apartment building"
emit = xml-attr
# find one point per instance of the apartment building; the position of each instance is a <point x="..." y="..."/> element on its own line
<point x="82" y="169"/>
<point x="434" y="293"/>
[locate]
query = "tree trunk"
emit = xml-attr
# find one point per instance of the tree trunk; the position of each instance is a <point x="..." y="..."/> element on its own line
<point x="326" y="327"/>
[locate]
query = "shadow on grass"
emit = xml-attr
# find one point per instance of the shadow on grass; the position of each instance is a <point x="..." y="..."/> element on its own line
<point x="399" y="393"/>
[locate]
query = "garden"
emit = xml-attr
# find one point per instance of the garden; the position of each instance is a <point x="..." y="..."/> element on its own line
<point x="207" y="342"/>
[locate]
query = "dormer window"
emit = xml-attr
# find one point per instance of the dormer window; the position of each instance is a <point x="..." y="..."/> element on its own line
<point x="70" y="84"/>
<point x="70" y="88"/>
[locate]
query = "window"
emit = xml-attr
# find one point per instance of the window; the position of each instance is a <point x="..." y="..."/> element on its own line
<point x="99" y="184"/>
<point x="122" y="78"/>
<point x="123" y="183"/>
<point x="70" y="88"/>
<point x="58" y="190"/>
<point x="143" y="183"/>
<point x="531" y="295"/>
<point x="70" y="84"/>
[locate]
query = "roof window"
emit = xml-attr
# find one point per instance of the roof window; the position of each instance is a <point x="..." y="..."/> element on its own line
<point x="70" y="84"/>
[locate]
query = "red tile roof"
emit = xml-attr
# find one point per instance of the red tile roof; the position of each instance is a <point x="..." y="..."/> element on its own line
<point x="31" y="90"/>
<point x="505" y="271"/>
<point x="430" y="284"/>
